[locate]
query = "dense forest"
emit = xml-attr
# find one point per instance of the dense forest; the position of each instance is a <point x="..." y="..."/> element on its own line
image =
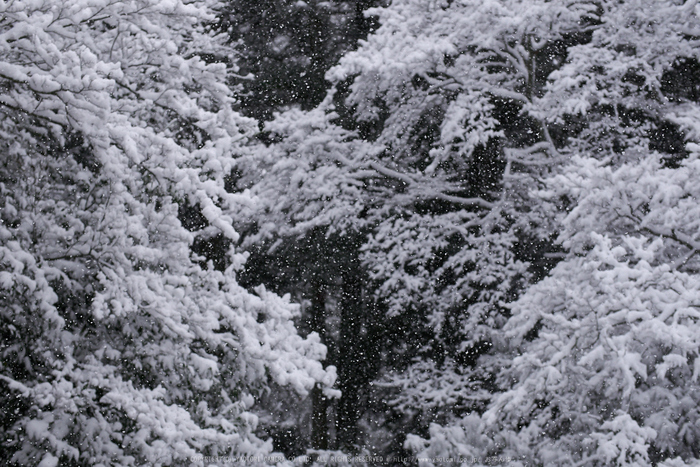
<point x="350" y="232"/>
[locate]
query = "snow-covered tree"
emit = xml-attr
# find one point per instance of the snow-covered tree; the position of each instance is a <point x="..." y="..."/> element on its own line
<point x="604" y="368"/>
<point x="119" y="347"/>
<point x="436" y="172"/>
<point x="608" y="367"/>
<point x="452" y="91"/>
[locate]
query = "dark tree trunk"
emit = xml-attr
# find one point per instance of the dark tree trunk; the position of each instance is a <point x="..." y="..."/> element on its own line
<point x="358" y="356"/>
<point x="319" y="417"/>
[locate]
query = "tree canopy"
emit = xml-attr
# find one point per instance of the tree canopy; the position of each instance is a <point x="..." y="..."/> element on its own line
<point x="486" y="212"/>
<point x="119" y="346"/>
